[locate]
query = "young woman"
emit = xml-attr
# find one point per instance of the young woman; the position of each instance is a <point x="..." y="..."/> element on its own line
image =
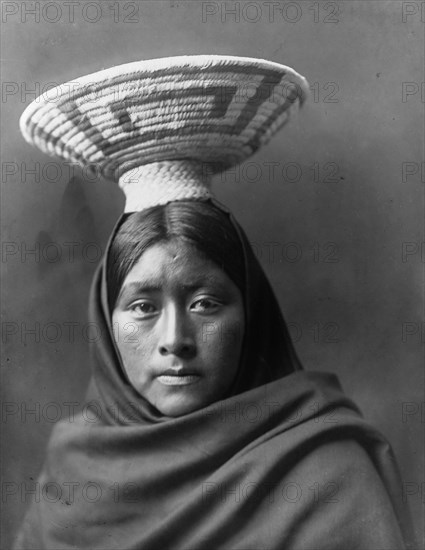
<point x="206" y="433"/>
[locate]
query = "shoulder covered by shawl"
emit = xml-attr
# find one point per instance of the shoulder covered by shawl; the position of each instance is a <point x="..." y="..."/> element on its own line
<point x="311" y="474"/>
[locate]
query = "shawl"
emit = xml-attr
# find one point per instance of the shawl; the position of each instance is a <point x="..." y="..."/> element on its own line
<point x="285" y="461"/>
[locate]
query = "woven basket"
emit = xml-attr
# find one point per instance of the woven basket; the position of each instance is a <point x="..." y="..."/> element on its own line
<point x="163" y="127"/>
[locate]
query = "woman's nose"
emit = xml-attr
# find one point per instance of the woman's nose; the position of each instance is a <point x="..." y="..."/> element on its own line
<point x="176" y="337"/>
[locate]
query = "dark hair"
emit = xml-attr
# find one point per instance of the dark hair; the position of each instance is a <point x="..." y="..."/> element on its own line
<point x="201" y="224"/>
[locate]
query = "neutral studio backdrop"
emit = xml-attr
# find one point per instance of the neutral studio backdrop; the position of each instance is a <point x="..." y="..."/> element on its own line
<point x="333" y="205"/>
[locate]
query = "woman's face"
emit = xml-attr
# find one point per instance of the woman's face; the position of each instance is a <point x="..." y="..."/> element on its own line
<point x="179" y="325"/>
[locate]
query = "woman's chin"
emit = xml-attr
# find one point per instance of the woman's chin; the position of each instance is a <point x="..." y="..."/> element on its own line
<point x="175" y="407"/>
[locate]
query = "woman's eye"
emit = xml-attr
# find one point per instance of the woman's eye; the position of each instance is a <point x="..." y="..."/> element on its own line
<point x="143" y="308"/>
<point x="204" y="304"/>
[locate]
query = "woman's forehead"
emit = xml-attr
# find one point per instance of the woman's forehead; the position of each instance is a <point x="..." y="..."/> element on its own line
<point x="175" y="261"/>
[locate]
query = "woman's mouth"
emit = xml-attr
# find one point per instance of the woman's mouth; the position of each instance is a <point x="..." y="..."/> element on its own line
<point x="178" y="377"/>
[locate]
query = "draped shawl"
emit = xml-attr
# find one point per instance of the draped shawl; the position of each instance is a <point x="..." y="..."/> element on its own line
<point x="285" y="461"/>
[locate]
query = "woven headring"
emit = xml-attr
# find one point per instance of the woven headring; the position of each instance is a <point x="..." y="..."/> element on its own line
<point x="162" y="127"/>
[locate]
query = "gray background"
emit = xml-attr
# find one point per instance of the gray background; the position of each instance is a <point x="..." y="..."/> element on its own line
<point x="353" y="300"/>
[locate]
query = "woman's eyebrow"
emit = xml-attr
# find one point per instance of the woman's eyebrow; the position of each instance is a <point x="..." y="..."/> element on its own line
<point x="151" y="285"/>
<point x="139" y="286"/>
<point x="203" y="282"/>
